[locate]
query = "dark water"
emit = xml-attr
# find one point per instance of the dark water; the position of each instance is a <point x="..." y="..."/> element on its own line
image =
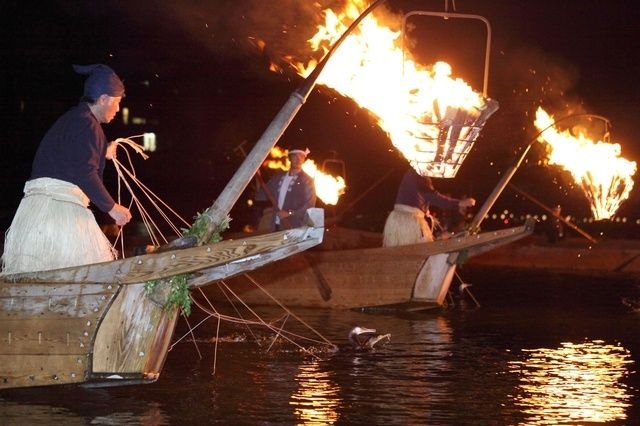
<point x="541" y="349"/>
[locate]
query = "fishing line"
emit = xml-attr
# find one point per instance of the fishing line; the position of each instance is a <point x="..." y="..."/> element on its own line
<point x="128" y="179"/>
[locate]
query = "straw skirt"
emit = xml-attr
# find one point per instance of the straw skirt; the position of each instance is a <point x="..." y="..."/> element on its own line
<point x="406" y="225"/>
<point x="53" y="228"/>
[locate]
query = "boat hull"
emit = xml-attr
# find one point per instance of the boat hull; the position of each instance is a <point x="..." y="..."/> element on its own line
<point x="68" y="333"/>
<point x="411" y="276"/>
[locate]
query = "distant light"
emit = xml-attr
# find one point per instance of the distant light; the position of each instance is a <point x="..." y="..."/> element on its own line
<point x="149" y="142"/>
<point x="125" y="115"/>
<point x="139" y="120"/>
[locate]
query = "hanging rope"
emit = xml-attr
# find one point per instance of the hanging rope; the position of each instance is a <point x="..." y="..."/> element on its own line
<point x="127" y="178"/>
<point x="260" y="321"/>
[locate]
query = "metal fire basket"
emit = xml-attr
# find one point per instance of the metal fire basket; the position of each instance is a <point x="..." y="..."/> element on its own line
<point x="443" y="143"/>
<point x="442" y="146"/>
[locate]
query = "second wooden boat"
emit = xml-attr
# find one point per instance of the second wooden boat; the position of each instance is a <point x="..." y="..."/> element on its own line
<point x="411" y="277"/>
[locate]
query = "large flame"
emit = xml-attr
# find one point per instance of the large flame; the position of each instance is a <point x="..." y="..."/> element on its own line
<point x="604" y="176"/>
<point x="328" y="188"/>
<point x="431" y="117"/>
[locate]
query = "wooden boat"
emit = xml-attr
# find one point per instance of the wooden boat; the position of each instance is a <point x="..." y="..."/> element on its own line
<point x="336" y="275"/>
<point x="96" y="324"/>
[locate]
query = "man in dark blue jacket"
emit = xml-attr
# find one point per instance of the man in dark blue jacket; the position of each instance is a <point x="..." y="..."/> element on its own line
<point x="406" y="224"/>
<point x="53" y="226"/>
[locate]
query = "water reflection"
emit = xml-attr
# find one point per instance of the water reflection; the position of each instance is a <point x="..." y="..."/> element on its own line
<point x="398" y="380"/>
<point x="316" y="400"/>
<point x="154" y="416"/>
<point x="577" y="382"/>
<point x="29" y="413"/>
<point x="452" y="368"/>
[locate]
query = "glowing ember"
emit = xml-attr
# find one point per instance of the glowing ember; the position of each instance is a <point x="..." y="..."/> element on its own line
<point x="432" y="118"/>
<point x="605" y="177"/>
<point x="328" y="188"/>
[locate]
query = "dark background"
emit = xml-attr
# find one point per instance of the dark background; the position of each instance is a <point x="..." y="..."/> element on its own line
<point x="199" y="75"/>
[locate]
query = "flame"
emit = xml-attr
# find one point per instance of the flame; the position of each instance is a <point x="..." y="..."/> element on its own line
<point x="604" y="176"/>
<point x="328" y="188"/>
<point x="431" y="117"/>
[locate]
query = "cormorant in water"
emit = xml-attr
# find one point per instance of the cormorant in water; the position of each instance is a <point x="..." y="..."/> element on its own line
<point x="366" y="338"/>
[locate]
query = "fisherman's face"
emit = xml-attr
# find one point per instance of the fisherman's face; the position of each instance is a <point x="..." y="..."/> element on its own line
<point x="106" y="108"/>
<point x="296" y="160"/>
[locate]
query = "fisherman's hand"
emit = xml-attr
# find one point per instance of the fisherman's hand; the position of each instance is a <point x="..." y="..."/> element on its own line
<point x="283" y="214"/>
<point x="120" y="214"/>
<point x="111" y="150"/>
<point x="466" y="202"/>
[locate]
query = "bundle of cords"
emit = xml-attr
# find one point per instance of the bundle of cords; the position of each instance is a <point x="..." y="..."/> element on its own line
<point x="141" y="195"/>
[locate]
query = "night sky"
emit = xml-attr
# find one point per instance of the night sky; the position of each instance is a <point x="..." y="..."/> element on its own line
<point x="198" y="73"/>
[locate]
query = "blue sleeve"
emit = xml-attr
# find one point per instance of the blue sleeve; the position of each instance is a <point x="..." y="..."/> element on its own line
<point x="89" y="159"/>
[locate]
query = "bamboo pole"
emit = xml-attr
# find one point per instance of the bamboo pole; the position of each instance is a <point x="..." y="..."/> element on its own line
<point x="218" y="212"/>
<point x="474" y="225"/>
<point x="550" y="210"/>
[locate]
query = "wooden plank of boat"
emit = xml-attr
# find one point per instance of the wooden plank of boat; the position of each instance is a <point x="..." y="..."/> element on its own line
<point x="75" y="333"/>
<point x="47" y="331"/>
<point x="358" y="278"/>
<point x="232" y="255"/>
<point x="227" y="270"/>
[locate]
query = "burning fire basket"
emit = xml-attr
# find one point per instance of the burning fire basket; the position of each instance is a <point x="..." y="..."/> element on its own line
<point x="443" y="145"/>
<point x="443" y="140"/>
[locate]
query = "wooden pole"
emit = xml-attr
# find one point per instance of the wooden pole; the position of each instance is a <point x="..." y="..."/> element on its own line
<point x="340" y="215"/>
<point x="321" y="282"/>
<point x="550" y="210"/>
<point x="218" y="212"/>
<point x="474" y="225"/>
